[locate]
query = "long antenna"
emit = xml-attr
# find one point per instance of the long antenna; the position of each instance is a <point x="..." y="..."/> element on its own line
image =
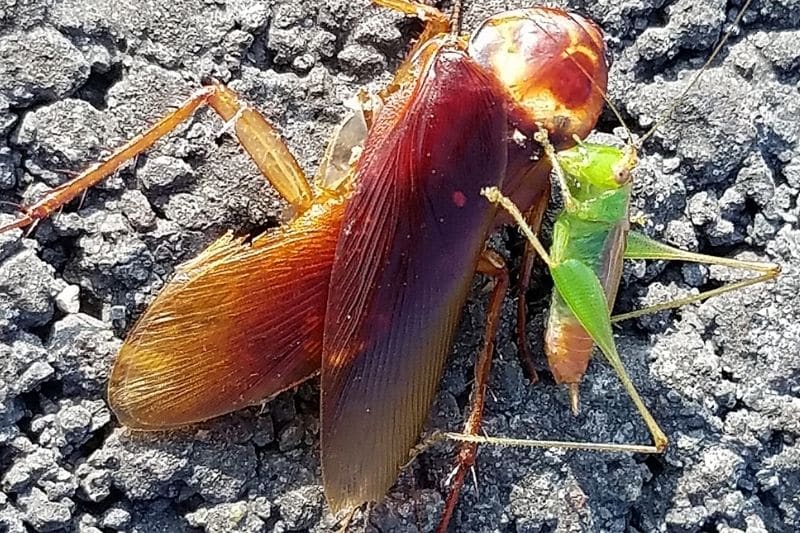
<point x="455" y="17"/>
<point x="666" y="114"/>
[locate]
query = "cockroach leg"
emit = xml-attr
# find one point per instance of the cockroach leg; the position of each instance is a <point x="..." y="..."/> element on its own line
<point x="492" y="265"/>
<point x="256" y="135"/>
<point x="265" y="146"/>
<point x="640" y="246"/>
<point x="534" y="219"/>
<point x="435" y="21"/>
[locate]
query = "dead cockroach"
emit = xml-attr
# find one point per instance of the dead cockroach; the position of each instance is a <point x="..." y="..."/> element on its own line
<point x="368" y="279"/>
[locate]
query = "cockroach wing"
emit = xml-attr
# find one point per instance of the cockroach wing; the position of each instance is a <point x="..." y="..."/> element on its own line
<point x="238" y="324"/>
<point x="411" y="237"/>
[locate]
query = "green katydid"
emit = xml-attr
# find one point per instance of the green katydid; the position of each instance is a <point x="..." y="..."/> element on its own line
<point x="590" y="238"/>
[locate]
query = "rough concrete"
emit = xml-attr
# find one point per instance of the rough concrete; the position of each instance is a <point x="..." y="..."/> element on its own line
<point x="78" y="77"/>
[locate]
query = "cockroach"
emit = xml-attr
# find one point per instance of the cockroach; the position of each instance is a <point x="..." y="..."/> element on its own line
<point x="366" y="283"/>
<point x="591" y="237"/>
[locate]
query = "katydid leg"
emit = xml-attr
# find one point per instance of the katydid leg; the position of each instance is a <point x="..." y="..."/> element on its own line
<point x="493" y="266"/>
<point x="256" y="135"/>
<point x="640" y="246"/>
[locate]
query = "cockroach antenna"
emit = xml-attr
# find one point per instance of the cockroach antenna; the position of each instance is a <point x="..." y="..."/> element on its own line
<point x="455" y="17"/>
<point x="677" y="101"/>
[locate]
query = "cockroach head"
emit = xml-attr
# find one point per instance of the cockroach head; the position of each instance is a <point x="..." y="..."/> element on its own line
<point x="552" y="62"/>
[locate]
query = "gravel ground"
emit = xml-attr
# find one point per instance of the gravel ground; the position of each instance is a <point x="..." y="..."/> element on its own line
<point x="78" y="77"/>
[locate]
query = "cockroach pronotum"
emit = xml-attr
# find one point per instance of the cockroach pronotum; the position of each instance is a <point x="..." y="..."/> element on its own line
<point x="368" y="279"/>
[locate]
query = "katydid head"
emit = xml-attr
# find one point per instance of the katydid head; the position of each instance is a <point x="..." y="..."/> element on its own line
<point x="553" y="64"/>
<point x="591" y="167"/>
<point x="596" y="179"/>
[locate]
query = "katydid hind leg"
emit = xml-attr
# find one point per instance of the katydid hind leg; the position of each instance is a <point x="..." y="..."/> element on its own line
<point x="493" y="266"/>
<point x="640" y="246"/>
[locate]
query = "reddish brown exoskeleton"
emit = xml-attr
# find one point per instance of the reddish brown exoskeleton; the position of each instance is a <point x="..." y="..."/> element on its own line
<point x="366" y="283"/>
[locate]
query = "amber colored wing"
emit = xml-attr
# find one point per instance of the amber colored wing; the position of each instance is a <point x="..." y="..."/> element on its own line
<point x="413" y="231"/>
<point x="238" y="324"/>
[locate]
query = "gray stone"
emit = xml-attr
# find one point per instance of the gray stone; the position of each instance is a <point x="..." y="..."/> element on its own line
<point x="300" y="508"/>
<point x="116" y="518"/>
<point x="234" y="517"/>
<point x="68" y="300"/>
<point x="360" y="60"/>
<point x="703" y="208"/>
<point x="59" y="138"/>
<point x="24" y="365"/>
<point x="71" y="424"/>
<point x="779" y="48"/>
<point x="162" y="172"/>
<point x="10" y="517"/>
<point x="221" y="470"/>
<point x="28" y="283"/>
<point x="9" y="163"/>
<point x="43" y="514"/>
<point x="142" y="467"/>
<point x="82" y="349"/>
<point x="39" y="64"/>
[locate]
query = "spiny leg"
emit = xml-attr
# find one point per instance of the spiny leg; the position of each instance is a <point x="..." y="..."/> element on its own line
<point x="435" y="21"/>
<point x="265" y="146"/>
<point x="256" y="135"/>
<point x="584" y="295"/>
<point x="534" y="221"/>
<point x="493" y="266"/>
<point x="640" y="246"/>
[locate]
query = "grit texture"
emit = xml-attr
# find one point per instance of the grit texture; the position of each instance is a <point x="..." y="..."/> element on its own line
<point x="78" y="77"/>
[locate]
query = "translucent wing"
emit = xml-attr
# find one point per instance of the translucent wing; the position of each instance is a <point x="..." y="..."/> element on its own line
<point x="410" y="241"/>
<point x="238" y="324"/>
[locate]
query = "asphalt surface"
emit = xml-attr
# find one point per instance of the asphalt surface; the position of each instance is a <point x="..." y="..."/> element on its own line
<point x="78" y="77"/>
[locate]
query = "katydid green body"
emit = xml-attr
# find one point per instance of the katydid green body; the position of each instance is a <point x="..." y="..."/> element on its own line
<point x="592" y="229"/>
<point x="591" y="238"/>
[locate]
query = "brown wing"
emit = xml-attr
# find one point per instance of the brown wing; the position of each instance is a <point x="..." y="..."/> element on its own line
<point x="240" y="323"/>
<point x="410" y="241"/>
